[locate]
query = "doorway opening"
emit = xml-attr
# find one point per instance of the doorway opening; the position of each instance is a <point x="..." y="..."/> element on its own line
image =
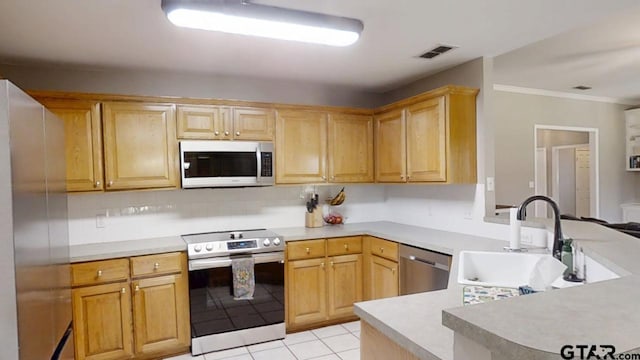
<point x="566" y="169"/>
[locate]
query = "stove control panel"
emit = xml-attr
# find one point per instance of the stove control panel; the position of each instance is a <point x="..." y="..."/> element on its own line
<point x="238" y="245"/>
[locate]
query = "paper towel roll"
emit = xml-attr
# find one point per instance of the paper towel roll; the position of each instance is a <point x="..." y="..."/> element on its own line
<point x="514" y="229"/>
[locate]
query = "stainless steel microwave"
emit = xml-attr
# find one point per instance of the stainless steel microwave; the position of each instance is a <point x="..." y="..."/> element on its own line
<point x="213" y="163"/>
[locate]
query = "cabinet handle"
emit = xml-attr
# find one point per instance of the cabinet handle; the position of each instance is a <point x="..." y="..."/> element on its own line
<point x="322" y="265"/>
<point x="110" y="183"/>
<point x="97" y="184"/>
<point x="346" y="247"/>
<point x="123" y="290"/>
<point x="331" y="263"/>
<point x="137" y="288"/>
<point x="401" y="177"/>
<point x="324" y="178"/>
<point x="216" y="133"/>
<point x="226" y="133"/>
<point x="307" y="250"/>
<point x="408" y="177"/>
<point x="237" y="133"/>
<point x="156" y="266"/>
<point x="333" y="178"/>
<point x="393" y="270"/>
<point x="99" y="274"/>
<point x="381" y="250"/>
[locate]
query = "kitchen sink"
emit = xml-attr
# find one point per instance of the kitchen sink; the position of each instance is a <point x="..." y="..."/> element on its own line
<point x="511" y="270"/>
<point x="499" y="269"/>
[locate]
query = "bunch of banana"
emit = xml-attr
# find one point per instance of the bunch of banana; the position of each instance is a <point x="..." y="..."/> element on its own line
<point x="338" y="199"/>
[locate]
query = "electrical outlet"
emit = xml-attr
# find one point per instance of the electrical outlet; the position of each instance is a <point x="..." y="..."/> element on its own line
<point x="100" y="221"/>
<point x="468" y="214"/>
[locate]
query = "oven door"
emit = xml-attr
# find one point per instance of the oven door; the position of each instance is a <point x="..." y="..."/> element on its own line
<point x="213" y="308"/>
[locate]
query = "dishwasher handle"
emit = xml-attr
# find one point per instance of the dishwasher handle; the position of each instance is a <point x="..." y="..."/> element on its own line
<point x="430" y="263"/>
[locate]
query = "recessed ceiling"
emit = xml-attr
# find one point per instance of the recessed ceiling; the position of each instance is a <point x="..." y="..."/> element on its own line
<point x="135" y="34"/>
<point x="604" y="56"/>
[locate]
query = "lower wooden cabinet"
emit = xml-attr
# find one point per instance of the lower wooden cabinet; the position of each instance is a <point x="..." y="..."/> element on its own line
<point x="144" y="316"/>
<point x="306" y="288"/>
<point x="324" y="288"/>
<point x="160" y="314"/>
<point x="381" y="278"/>
<point x="102" y="322"/>
<point x="345" y="284"/>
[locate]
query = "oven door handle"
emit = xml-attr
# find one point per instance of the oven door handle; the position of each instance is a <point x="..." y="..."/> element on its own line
<point x="201" y="264"/>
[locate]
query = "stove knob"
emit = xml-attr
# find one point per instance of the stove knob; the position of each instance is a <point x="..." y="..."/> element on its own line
<point x="276" y="241"/>
<point x="209" y="247"/>
<point x="266" y="242"/>
<point x="197" y="248"/>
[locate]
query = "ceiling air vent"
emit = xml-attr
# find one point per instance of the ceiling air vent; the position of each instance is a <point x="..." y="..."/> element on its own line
<point x="582" y="87"/>
<point x="439" y="50"/>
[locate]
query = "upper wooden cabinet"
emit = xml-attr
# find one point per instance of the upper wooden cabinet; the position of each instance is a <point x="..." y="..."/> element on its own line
<point x="350" y="148"/>
<point x="301" y="146"/>
<point x="429" y="138"/>
<point x="225" y="123"/>
<point x="316" y="147"/>
<point x="204" y="122"/>
<point x="140" y="147"/>
<point x="391" y="155"/>
<point x="83" y="142"/>
<point x="250" y="123"/>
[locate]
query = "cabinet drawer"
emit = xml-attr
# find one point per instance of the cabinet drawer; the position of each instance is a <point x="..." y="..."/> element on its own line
<point x="344" y="245"/>
<point x="384" y="248"/>
<point x="156" y="264"/>
<point x="99" y="272"/>
<point x="307" y="249"/>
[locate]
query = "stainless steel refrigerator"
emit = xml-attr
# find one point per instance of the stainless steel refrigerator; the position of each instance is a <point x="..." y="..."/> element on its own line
<point x="35" y="299"/>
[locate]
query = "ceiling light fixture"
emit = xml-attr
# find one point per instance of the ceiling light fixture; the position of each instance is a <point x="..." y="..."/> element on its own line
<point x="243" y="17"/>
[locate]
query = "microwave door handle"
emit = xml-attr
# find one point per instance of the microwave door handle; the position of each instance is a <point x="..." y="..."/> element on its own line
<point x="259" y="161"/>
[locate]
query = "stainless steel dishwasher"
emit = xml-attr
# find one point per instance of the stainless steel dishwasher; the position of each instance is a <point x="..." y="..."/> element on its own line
<point x="422" y="270"/>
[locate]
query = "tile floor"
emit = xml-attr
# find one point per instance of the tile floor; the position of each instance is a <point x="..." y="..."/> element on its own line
<point x="337" y="342"/>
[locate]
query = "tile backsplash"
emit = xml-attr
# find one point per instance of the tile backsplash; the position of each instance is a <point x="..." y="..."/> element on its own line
<point x="148" y="214"/>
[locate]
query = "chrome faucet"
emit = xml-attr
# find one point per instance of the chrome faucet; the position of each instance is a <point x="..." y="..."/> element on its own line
<point x="557" y="230"/>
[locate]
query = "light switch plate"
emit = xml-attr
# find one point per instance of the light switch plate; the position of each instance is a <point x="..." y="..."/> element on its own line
<point x="491" y="184"/>
<point x="532" y="185"/>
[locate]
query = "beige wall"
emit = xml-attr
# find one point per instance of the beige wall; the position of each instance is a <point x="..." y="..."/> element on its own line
<point x="515" y="117"/>
<point x="166" y="83"/>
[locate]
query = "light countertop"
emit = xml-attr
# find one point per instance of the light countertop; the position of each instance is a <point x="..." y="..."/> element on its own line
<point x="599" y="313"/>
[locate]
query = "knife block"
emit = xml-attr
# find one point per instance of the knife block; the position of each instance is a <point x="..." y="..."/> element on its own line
<point x="314" y="219"/>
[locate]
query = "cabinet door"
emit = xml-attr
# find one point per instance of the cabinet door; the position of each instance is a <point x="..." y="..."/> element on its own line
<point x="391" y="158"/>
<point x="83" y="143"/>
<point x="426" y="141"/>
<point x="253" y="123"/>
<point x="306" y="291"/>
<point x="301" y="147"/>
<point x="140" y="146"/>
<point x="350" y="148"/>
<point x="345" y="284"/>
<point x="161" y="314"/>
<point x="102" y="322"/>
<point x="203" y="122"/>
<point x="384" y="277"/>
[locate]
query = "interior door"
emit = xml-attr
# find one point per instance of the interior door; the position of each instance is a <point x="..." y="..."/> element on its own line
<point x="583" y="189"/>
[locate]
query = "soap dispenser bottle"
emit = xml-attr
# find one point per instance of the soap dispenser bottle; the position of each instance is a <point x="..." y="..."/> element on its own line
<point x="567" y="256"/>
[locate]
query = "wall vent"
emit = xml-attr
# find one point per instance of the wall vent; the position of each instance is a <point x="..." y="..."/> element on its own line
<point x="438" y="50"/>
<point x="582" y="87"/>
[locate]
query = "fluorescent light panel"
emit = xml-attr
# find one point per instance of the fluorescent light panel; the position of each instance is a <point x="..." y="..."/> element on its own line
<point x="236" y="17"/>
